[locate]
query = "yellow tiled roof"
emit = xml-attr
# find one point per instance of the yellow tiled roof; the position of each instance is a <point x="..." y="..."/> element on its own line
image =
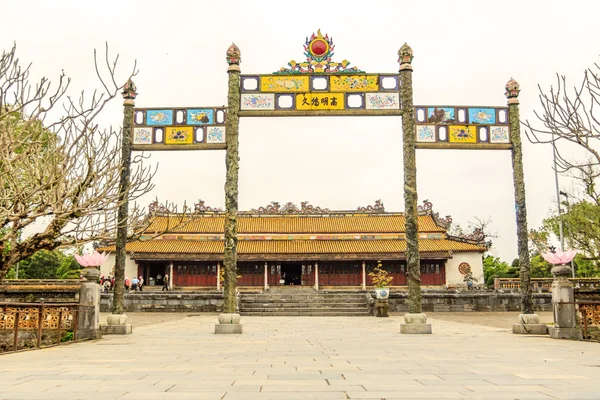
<point x="365" y="223"/>
<point x="297" y="246"/>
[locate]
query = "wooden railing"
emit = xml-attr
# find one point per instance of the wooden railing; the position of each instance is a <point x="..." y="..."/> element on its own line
<point x="589" y="313"/>
<point x="546" y="283"/>
<point x="35" y="319"/>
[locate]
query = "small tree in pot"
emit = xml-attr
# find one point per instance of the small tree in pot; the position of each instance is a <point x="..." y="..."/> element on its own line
<point x="381" y="280"/>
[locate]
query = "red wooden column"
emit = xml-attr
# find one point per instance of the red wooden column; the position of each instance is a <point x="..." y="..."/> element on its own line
<point x="364" y="276"/>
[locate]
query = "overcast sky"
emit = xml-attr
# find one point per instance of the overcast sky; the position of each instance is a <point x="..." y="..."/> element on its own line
<point x="465" y="52"/>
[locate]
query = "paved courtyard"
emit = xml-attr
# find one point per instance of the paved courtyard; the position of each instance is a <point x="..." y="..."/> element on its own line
<point x="307" y="358"/>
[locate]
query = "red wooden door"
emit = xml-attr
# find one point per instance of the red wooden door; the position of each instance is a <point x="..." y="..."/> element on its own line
<point x="308" y="275"/>
<point x="433" y="272"/>
<point x="274" y="274"/>
<point x="174" y="278"/>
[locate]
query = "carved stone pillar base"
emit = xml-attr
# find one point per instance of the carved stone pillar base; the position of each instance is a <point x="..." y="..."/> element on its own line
<point x="382" y="307"/>
<point x="229" y="323"/>
<point x="415" y="324"/>
<point x="117" y="325"/>
<point x="529" y="324"/>
<point x="565" y="333"/>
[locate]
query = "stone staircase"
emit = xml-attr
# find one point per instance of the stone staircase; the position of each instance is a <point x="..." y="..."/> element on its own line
<point x="302" y="301"/>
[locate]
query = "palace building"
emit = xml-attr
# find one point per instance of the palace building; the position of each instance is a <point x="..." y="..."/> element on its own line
<point x="307" y="246"/>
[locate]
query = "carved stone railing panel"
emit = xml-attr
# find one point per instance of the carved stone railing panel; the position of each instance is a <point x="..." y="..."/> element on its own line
<point x="29" y="317"/>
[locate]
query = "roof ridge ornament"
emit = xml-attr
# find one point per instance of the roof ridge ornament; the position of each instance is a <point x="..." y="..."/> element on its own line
<point x="378" y="207"/>
<point x="289" y="208"/>
<point x="318" y="50"/>
<point x="427" y="209"/>
<point x="200" y="208"/>
<point x="477" y="237"/>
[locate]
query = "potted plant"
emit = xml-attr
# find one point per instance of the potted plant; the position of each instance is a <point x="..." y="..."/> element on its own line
<point x="381" y="280"/>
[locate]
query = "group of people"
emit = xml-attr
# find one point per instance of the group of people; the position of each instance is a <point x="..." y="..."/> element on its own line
<point x="134" y="285"/>
<point x="107" y="283"/>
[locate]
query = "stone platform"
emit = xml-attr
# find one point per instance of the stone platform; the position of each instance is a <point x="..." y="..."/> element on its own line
<point x="179" y="357"/>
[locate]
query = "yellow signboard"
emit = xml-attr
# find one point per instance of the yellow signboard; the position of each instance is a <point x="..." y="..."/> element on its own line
<point x="284" y="83"/>
<point x="320" y="101"/>
<point x="179" y="135"/>
<point x="462" y="134"/>
<point x="355" y="83"/>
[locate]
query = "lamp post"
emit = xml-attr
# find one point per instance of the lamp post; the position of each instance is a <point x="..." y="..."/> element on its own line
<point x="560" y="221"/>
<point x="570" y="231"/>
<point x="563" y="299"/>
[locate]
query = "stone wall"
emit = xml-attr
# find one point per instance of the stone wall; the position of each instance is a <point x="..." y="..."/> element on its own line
<point x="166" y="302"/>
<point x="39" y="291"/>
<point x="442" y="301"/>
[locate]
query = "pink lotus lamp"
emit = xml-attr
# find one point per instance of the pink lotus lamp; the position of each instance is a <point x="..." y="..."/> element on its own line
<point x="92" y="263"/>
<point x="91" y="260"/>
<point x="560" y="260"/>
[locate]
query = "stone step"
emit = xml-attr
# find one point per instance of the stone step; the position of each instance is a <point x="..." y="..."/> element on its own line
<point x="300" y="297"/>
<point x="311" y="313"/>
<point x="302" y="305"/>
<point x="307" y="300"/>
<point x="304" y="310"/>
<point x="293" y="302"/>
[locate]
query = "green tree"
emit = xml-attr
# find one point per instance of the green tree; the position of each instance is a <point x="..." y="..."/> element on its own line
<point x="581" y="224"/>
<point x="493" y="266"/>
<point x="540" y="268"/>
<point x="46" y="264"/>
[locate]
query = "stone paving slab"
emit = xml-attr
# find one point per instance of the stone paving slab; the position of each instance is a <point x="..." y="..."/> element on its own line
<point x="307" y="358"/>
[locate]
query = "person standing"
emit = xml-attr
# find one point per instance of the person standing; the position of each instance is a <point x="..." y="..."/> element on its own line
<point x="106" y="285"/>
<point x="127" y="283"/>
<point x="141" y="283"/>
<point x="134" y="283"/>
<point x="165" y="283"/>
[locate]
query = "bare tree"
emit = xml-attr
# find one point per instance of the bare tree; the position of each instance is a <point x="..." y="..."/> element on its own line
<point x="59" y="171"/>
<point x="480" y="232"/>
<point x="572" y="117"/>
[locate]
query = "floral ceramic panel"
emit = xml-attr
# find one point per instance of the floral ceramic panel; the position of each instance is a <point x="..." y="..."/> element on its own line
<point x="426" y="133"/>
<point x="462" y="134"/>
<point x="320" y="101"/>
<point x="284" y="84"/>
<point x="354" y="83"/>
<point x="179" y="135"/>
<point x="200" y="116"/>
<point x="482" y="115"/>
<point x="440" y="115"/>
<point x="258" y="101"/>
<point x="499" y="134"/>
<point x="382" y="101"/>
<point x="142" y="135"/>
<point x="159" y="117"/>
<point x="215" y="134"/>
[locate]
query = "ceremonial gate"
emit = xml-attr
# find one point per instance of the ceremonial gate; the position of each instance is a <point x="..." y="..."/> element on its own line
<point x="321" y="86"/>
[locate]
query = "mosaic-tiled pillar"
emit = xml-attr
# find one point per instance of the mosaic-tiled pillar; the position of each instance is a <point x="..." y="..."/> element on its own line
<point x="410" y="180"/>
<point x="231" y="183"/>
<point x="129" y="94"/>
<point x="512" y="94"/>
